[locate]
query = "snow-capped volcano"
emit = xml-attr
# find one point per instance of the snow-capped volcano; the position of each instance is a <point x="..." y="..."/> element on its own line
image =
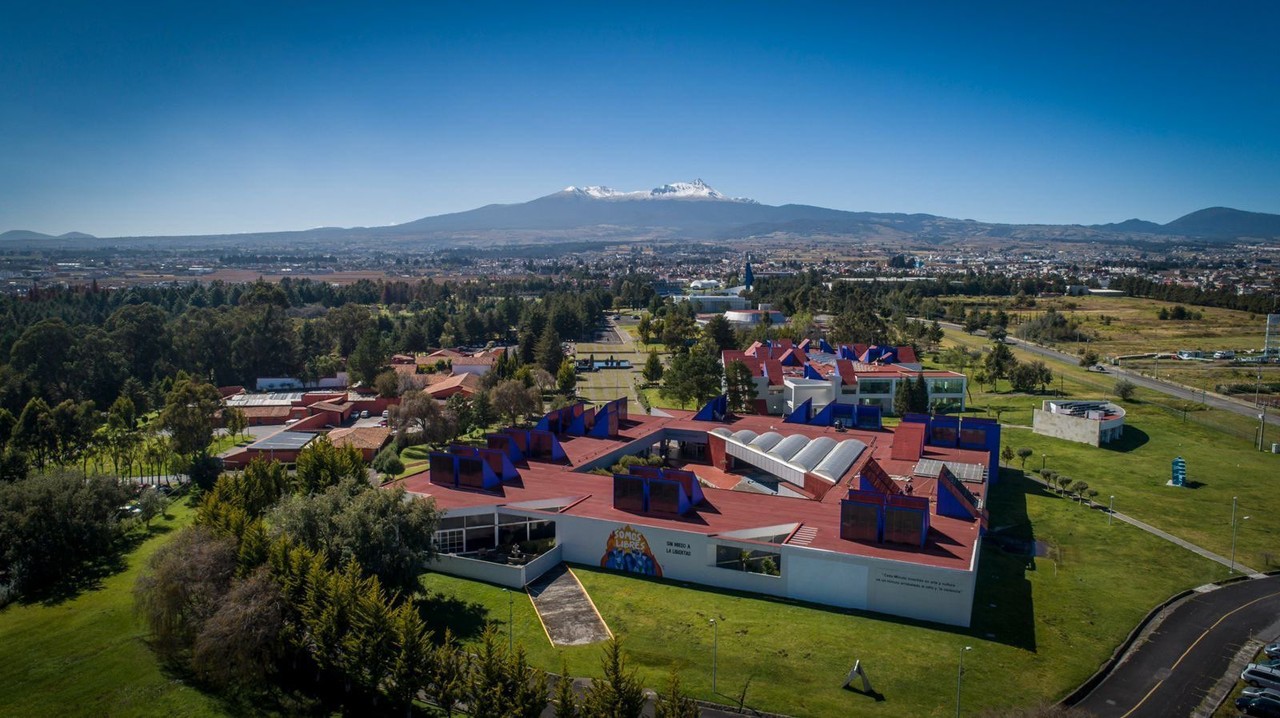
<point x="696" y="189"/>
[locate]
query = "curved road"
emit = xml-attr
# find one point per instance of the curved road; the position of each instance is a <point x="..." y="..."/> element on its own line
<point x="1172" y="669"/>
<point x="1145" y="382"/>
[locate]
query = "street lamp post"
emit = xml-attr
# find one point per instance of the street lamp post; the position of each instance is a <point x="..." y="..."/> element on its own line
<point x="960" y="678"/>
<point x="715" y="651"/>
<point x="1112" y="510"/>
<point x="1235" y="526"/>
<point x="1233" y="535"/>
<point x="1043" y="458"/>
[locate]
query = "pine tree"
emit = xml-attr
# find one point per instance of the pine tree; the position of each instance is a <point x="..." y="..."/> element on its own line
<point x="674" y="703"/>
<point x="548" y="353"/>
<point x="412" y="663"/>
<point x="448" y="681"/>
<point x="527" y="687"/>
<point x="487" y="679"/>
<point x="902" y="396"/>
<point x="567" y="377"/>
<point x="565" y="700"/>
<point x="618" y="693"/>
<point x="920" y="395"/>
<point x="652" y="368"/>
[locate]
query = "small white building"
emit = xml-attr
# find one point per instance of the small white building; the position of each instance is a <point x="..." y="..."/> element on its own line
<point x="753" y="317"/>
<point x="1089" y="422"/>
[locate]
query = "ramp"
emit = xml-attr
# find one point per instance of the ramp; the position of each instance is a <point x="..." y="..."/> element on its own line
<point x="566" y="611"/>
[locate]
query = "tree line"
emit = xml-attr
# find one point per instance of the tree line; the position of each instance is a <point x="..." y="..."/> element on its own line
<point x="86" y="344"/>
<point x="303" y="591"/>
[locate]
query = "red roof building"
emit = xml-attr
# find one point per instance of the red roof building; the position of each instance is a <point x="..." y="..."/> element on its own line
<point x="800" y="512"/>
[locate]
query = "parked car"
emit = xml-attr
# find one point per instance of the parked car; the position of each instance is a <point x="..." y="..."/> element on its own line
<point x="364" y="414"/>
<point x="1272" y="650"/>
<point x="386" y="414"/>
<point x="1261" y="676"/>
<point x="1263" y="706"/>
<point x="1251" y="692"/>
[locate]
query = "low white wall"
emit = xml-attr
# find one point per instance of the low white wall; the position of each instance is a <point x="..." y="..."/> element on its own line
<point x="542" y="564"/>
<point x="1065" y="426"/>
<point x="503" y="575"/>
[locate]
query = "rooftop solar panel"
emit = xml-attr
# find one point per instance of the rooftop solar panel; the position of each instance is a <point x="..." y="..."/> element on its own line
<point x="973" y="473"/>
<point x="283" y="441"/>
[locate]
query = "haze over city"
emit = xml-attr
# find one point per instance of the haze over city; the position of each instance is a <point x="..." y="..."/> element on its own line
<point x="131" y="119"/>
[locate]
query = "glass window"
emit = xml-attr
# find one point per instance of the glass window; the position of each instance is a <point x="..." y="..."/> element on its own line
<point x="482" y="538"/>
<point x="542" y="530"/>
<point x="480" y="520"/>
<point x="875" y="386"/>
<point x="449" y="541"/>
<point x="739" y="558"/>
<point x="508" y="535"/>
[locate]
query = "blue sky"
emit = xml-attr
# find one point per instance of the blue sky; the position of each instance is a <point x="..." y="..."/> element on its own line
<point x="182" y="118"/>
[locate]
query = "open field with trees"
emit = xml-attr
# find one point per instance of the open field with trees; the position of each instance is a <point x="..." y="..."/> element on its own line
<point x="1218" y="446"/>
<point x="86" y="654"/>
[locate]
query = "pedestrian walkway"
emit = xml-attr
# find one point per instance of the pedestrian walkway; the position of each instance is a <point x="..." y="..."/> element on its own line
<point x="566" y="611"/>
<point x="1239" y="567"/>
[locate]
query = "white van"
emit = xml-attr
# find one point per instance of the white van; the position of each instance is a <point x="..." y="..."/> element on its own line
<point x="1261" y="676"/>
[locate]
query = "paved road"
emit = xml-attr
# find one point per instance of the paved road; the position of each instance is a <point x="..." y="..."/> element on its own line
<point x="1170" y="672"/>
<point x="1146" y="382"/>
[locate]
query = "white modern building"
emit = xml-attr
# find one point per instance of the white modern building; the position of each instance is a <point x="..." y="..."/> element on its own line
<point x="787" y="375"/>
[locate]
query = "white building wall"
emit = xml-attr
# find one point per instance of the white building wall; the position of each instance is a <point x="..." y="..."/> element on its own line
<point x="897" y="588"/>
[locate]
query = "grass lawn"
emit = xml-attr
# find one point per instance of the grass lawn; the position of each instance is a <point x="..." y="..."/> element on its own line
<point x="86" y="655"/>
<point x="1221" y="463"/>
<point x="1039" y="629"/>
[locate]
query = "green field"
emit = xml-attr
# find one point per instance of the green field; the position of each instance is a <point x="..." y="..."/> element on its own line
<point x="1037" y="633"/>
<point x="1121" y="326"/>
<point x="1218" y="445"/>
<point x="86" y="656"/>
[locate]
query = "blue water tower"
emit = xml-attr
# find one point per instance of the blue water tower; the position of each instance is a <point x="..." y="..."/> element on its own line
<point x="1179" y="472"/>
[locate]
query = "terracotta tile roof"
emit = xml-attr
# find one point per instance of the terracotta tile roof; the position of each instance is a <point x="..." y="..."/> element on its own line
<point x="466" y="383"/>
<point x="361" y="437"/>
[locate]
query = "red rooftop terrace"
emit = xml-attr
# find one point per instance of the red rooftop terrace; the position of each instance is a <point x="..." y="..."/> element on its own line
<point x="880" y="520"/>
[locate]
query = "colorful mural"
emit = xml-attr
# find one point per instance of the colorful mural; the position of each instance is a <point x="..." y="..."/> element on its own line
<point x="627" y="550"/>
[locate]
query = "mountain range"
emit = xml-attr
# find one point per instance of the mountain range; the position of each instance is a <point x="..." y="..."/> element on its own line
<point x="696" y="210"/>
